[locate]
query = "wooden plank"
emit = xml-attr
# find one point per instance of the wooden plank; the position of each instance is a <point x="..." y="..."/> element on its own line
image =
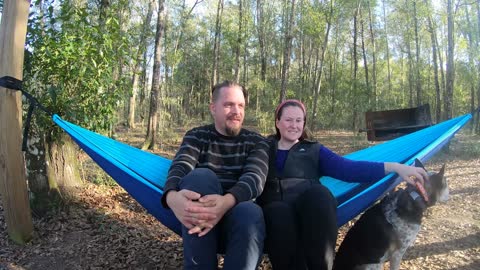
<point x="13" y="183"/>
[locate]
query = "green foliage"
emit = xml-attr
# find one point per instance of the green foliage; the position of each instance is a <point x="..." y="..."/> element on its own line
<point x="71" y="64"/>
<point x="103" y="179"/>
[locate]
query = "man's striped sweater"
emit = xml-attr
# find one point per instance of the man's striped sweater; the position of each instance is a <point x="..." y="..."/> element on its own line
<point x="240" y="162"/>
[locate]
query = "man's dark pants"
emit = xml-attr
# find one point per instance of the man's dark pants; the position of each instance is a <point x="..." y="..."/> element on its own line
<point x="239" y="234"/>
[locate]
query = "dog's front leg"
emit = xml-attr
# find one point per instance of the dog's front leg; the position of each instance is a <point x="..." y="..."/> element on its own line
<point x="395" y="260"/>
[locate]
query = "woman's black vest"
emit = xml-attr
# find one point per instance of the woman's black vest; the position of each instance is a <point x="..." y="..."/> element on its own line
<point x="299" y="173"/>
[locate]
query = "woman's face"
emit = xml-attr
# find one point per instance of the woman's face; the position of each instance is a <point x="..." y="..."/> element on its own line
<point x="291" y="123"/>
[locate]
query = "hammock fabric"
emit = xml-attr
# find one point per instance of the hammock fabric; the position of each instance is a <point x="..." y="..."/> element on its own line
<point x="143" y="174"/>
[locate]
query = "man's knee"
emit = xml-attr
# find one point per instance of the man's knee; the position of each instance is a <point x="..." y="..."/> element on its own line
<point x="248" y="217"/>
<point x="201" y="180"/>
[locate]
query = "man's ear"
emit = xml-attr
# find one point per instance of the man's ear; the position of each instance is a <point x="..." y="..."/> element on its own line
<point x="212" y="107"/>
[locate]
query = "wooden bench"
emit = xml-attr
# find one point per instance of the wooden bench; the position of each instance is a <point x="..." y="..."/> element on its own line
<point x="390" y="124"/>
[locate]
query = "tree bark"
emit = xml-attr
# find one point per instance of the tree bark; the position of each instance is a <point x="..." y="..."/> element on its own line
<point x="138" y="64"/>
<point x="216" y="43"/>
<point x="389" y="74"/>
<point x="13" y="184"/>
<point x="261" y="40"/>
<point x="432" y="29"/>
<point x="477" y="120"/>
<point x="374" y="58"/>
<point x="287" y="51"/>
<point x="418" y="81"/>
<point x="320" y="69"/>
<point x="355" y="66"/>
<point x="151" y="138"/>
<point x="239" y="41"/>
<point x="450" y="63"/>
<point x="365" y="62"/>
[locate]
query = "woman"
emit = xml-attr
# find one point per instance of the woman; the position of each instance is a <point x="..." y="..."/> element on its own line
<point x="300" y="213"/>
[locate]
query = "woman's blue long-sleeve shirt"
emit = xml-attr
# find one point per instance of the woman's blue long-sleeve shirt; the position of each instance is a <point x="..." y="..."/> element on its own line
<point x="336" y="166"/>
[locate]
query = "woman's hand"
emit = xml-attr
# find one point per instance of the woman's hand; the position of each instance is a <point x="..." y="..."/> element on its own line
<point x="410" y="174"/>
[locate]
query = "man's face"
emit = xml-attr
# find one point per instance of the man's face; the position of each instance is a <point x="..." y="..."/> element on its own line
<point x="228" y="111"/>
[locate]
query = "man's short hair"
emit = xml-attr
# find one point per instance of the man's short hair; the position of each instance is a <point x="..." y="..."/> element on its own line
<point x="216" y="89"/>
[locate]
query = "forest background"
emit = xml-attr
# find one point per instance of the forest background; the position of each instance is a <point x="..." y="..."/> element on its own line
<point x="152" y="63"/>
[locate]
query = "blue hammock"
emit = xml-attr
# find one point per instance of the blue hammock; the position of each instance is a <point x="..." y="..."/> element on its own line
<point x="143" y="174"/>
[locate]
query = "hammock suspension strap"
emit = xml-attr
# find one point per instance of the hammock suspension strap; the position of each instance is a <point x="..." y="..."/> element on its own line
<point x="15" y="84"/>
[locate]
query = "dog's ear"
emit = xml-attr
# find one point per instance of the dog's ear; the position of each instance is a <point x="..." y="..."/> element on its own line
<point x="442" y="171"/>
<point x="419" y="164"/>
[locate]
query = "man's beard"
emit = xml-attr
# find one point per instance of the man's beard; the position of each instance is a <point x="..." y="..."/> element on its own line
<point x="232" y="131"/>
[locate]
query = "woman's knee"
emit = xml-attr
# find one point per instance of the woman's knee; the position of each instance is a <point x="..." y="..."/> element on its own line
<point x="318" y="195"/>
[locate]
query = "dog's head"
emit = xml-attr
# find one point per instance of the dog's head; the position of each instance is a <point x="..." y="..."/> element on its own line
<point x="411" y="204"/>
<point x="436" y="186"/>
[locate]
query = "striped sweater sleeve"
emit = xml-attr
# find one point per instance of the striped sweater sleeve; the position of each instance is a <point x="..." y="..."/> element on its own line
<point x="184" y="162"/>
<point x="251" y="182"/>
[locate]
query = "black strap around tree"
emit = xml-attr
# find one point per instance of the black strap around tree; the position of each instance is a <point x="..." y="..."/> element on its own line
<point x="14" y="84"/>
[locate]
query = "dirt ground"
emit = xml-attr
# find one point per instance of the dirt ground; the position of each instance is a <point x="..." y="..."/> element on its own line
<point x="104" y="228"/>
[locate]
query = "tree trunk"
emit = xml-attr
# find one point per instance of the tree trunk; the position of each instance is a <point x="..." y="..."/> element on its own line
<point x="179" y="40"/>
<point x="389" y="74"/>
<point x="473" y="47"/>
<point x="287" y="51"/>
<point x="318" y="79"/>
<point x="365" y="63"/>
<point x="477" y="124"/>
<point x="261" y="40"/>
<point x="216" y="44"/>
<point x="418" y="81"/>
<point x="374" y="58"/>
<point x="150" y="140"/>
<point x="411" y="80"/>
<point x="62" y="166"/>
<point x="438" y="105"/>
<point x="442" y="72"/>
<point x="239" y="41"/>
<point x="13" y="184"/>
<point x="355" y="67"/>
<point x="450" y="63"/>
<point x="138" y="64"/>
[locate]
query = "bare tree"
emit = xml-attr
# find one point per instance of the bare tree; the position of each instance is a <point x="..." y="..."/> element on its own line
<point x="150" y="140"/>
<point x="374" y="58"/>
<point x="287" y="50"/>
<point x="138" y="64"/>
<point x="355" y="65"/>
<point x="389" y="74"/>
<point x="239" y="41"/>
<point x="450" y="63"/>
<point x="216" y="43"/>
<point x="418" y="81"/>
<point x="431" y="29"/>
<point x="365" y="61"/>
<point x="322" y="59"/>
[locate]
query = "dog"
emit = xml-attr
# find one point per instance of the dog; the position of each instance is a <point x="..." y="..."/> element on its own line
<point x="385" y="231"/>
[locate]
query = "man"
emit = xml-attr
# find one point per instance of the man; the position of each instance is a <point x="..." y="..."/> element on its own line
<point x="217" y="171"/>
